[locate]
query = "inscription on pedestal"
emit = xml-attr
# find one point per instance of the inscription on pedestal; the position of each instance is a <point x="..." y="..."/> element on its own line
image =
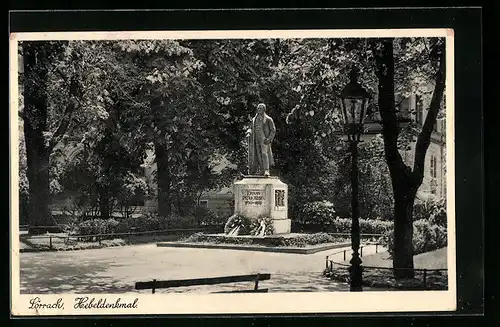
<point x="253" y="197"/>
<point x="263" y="197"/>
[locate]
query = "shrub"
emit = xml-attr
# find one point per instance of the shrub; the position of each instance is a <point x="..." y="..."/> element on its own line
<point x="310" y="239"/>
<point x="238" y="221"/>
<point x="152" y="222"/>
<point x="206" y="217"/>
<point x="123" y="226"/>
<point x="343" y="225"/>
<point x="317" y="212"/>
<point x="339" y="225"/>
<point x="96" y="227"/>
<point x="178" y="222"/>
<point x="438" y="214"/>
<point x="432" y="209"/>
<point x="375" y="226"/>
<point x="426" y="237"/>
<point x="144" y="223"/>
<point x="322" y="215"/>
<point x="110" y="226"/>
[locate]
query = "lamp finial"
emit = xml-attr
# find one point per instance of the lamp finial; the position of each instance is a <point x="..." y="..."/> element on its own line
<point x="354" y="73"/>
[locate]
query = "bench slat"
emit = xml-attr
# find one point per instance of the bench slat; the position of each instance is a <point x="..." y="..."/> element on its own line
<point x="200" y="281"/>
<point x="261" y="290"/>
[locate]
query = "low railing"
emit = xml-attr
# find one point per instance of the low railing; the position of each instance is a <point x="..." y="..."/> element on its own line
<point x="106" y="236"/>
<point x="345" y="251"/>
<point x="24" y="227"/>
<point x="327" y="261"/>
<point x="362" y="235"/>
<point x="425" y="271"/>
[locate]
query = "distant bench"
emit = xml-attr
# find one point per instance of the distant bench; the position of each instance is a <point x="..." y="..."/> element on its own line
<point x="156" y="284"/>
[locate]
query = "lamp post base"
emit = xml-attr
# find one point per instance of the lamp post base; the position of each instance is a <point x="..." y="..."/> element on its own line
<point x="356" y="273"/>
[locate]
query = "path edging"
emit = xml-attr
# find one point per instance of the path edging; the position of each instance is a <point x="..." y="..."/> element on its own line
<point x="275" y="249"/>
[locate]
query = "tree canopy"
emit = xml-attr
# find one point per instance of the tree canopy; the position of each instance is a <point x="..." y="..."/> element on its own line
<point x="93" y="110"/>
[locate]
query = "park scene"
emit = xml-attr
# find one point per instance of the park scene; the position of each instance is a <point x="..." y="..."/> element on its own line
<point x="232" y="165"/>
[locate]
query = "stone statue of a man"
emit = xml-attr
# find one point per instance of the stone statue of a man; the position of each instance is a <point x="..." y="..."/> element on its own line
<point x="260" y="136"/>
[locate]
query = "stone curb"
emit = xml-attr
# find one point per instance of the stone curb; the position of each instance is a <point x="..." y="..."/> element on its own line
<point x="35" y="250"/>
<point x="275" y="249"/>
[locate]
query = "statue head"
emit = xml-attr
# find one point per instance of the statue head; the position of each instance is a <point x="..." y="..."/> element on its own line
<point x="261" y="109"/>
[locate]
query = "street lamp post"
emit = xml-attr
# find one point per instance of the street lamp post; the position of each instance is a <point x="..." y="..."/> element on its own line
<point x="354" y="100"/>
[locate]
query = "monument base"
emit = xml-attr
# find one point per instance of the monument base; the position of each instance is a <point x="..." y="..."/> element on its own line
<point x="259" y="196"/>
<point x="282" y="226"/>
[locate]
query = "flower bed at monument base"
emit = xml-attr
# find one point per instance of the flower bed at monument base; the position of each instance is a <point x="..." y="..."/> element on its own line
<point x="288" y="240"/>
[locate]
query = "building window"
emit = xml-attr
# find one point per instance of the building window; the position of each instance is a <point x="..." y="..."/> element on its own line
<point x="433" y="166"/>
<point x="434" y="186"/>
<point x="203" y="204"/>
<point x="403" y="109"/>
<point x="419" y="110"/>
<point x="137" y="201"/>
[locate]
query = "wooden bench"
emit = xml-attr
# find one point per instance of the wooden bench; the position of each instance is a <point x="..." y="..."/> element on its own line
<point x="156" y="284"/>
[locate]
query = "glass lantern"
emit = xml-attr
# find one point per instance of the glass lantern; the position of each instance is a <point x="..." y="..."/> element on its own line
<point x="354" y="102"/>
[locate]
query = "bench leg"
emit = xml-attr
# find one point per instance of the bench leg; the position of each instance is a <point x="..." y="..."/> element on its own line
<point x="256" y="287"/>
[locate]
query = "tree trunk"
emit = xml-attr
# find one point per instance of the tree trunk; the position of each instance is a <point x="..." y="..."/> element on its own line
<point x="163" y="176"/>
<point x="104" y="205"/>
<point x="403" y="231"/>
<point x="40" y="217"/>
<point x="404" y="196"/>
<point x="163" y="180"/>
<point x="37" y="151"/>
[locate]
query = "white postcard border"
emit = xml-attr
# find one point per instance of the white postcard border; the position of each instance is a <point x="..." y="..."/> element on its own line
<point x="269" y="303"/>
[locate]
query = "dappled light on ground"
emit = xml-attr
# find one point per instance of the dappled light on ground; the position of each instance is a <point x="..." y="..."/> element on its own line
<point x="115" y="270"/>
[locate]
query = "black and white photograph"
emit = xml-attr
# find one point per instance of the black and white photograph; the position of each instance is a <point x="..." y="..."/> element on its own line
<point x="171" y="166"/>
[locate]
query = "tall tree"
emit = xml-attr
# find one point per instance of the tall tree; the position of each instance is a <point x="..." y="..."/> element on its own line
<point x="39" y="62"/>
<point x="407" y="69"/>
<point x="406" y="180"/>
<point x="174" y="116"/>
<point x="67" y="94"/>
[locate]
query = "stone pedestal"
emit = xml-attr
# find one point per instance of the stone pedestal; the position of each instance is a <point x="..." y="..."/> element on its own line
<point x="259" y="196"/>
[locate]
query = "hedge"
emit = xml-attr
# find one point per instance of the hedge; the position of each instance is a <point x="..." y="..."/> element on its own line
<point x="426" y="237"/>
<point x="343" y="225"/>
<point x="322" y="216"/>
<point x="278" y="241"/>
<point x="145" y="223"/>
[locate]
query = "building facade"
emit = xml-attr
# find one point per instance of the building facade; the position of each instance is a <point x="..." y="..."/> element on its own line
<point x="220" y="201"/>
<point x="434" y="182"/>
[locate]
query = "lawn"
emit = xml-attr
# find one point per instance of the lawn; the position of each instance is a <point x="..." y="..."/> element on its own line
<point x="61" y="242"/>
<point x="430" y="260"/>
<point x="384" y="278"/>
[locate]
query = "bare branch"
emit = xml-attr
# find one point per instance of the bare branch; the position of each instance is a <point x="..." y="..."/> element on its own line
<point x="423" y="140"/>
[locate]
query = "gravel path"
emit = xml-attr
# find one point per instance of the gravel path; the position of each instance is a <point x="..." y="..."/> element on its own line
<point x="115" y="270"/>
